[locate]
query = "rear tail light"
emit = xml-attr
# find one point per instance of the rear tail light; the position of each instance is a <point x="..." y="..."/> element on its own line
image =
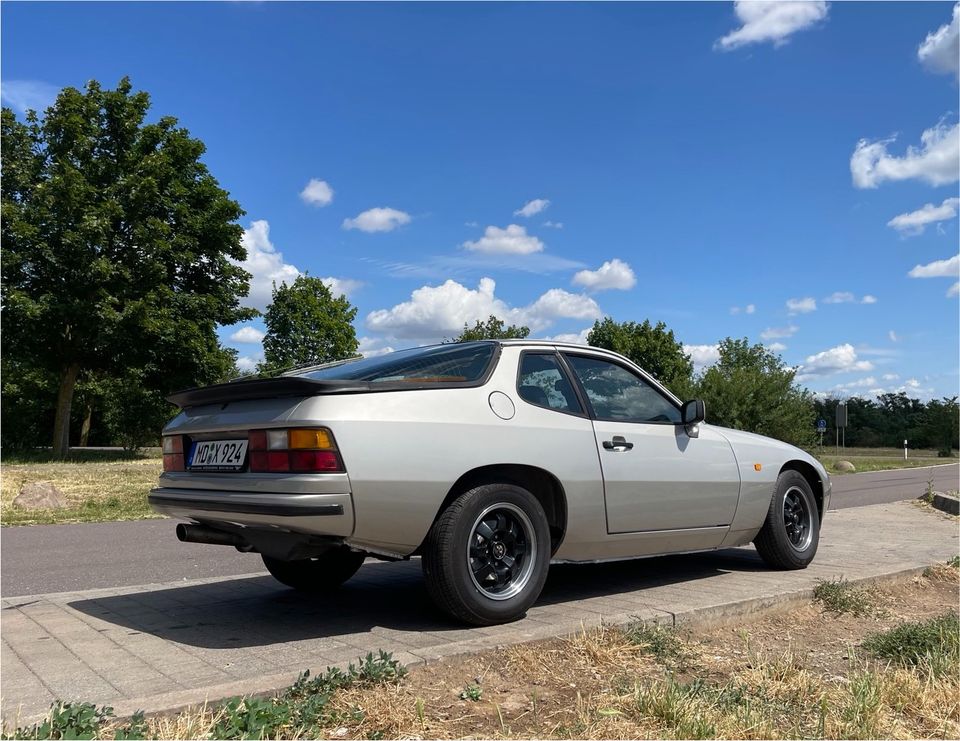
<point x="300" y="450"/>
<point x="172" y="452"/>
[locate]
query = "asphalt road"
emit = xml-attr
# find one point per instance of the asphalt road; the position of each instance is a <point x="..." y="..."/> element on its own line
<point x="41" y="559"/>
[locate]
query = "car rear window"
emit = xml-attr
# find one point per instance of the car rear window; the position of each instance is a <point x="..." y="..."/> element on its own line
<point x="453" y="363"/>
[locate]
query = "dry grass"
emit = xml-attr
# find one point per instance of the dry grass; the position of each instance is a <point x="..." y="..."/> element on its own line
<point x="801" y="673"/>
<point x="97" y="487"/>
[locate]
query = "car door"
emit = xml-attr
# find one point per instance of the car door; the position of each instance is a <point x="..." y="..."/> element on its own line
<point x="656" y="476"/>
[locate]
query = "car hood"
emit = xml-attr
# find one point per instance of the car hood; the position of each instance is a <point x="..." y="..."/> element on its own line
<point x="739" y="438"/>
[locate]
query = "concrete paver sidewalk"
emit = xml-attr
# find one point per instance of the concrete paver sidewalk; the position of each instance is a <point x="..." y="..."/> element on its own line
<point x="162" y="646"/>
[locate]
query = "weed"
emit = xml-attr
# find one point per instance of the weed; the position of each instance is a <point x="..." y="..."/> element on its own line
<point x="136" y="728"/>
<point x="67" y="720"/>
<point x="662" y="643"/>
<point x="302" y="708"/>
<point x="954" y="562"/>
<point x="471" y="692"/>
<point x="933" y="643"/>
<point x="251" y="717"/>
<point x="840" y="596"/>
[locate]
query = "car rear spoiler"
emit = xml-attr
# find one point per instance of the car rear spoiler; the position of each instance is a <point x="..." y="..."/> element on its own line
<point x="267" y="388"/>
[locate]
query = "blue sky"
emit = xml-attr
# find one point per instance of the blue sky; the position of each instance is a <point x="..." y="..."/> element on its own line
<point x="730" y="169"/>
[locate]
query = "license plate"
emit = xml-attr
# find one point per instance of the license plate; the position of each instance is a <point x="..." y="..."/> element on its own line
<point x="218" y="455"/>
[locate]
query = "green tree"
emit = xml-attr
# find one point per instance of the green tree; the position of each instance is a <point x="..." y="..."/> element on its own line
<point x="492" y="329"/>
<point x="118" y="245"/>
<point x="752" y="389"/>
<point x="941" y="425"/>
<point x="307" y="325"/>
<point x="653" y="347"/>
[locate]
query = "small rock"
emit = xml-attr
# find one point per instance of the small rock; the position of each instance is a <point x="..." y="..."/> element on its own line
<point x="40" y="495"/>
<point x="844" y="466"/>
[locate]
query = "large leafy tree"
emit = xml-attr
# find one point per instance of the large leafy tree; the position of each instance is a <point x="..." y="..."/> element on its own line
<point x="653" y="347"/>
<point x="118" y="245"/>
<point x="492" y="329"/>
<point x="306" y="324"/>
<point x="750" y="388"/>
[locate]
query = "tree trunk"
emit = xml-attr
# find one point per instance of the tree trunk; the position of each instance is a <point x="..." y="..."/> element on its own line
<point x="61" y="424"/>
<point x="85" y="427"/>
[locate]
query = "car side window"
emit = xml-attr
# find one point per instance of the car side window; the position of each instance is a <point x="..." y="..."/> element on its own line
<point x="619" y="394"/>
<point x="543" y="382"/>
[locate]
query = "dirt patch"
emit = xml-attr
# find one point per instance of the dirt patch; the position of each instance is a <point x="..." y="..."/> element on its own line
<point x="576" y="687"/>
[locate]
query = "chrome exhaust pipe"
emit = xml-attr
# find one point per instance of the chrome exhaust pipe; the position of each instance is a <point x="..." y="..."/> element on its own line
<point x="203" y="534"/>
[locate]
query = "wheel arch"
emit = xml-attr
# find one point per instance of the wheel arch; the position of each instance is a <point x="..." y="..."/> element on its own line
<point x="538" y="481"/>
<point x="813" y="478"/>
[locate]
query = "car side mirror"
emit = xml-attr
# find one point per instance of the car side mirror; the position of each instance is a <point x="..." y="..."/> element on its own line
<point x="692" y="414"/>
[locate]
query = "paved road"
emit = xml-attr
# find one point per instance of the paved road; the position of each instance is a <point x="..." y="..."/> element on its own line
<point x="64" y="558"/>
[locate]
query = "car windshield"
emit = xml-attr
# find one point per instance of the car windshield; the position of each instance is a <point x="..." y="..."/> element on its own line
<point x="454" y="363"/>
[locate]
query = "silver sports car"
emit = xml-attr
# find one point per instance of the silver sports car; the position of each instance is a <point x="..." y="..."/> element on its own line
<point x="489" y="460"/>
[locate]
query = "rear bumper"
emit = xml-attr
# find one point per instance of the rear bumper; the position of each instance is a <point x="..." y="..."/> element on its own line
<point x="317" y="514"/>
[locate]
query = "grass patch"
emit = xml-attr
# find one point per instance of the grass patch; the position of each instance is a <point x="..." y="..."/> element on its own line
<point x="880" y="459"/>
<point x="934" y="643"/>
<point x="663" y="643"/>
<point x="842" y="597"/>
<point x="303" y="710"/>
<point x="99" y="485"/>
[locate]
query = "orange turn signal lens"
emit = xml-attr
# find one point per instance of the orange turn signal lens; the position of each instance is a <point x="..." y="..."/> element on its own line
<point x="757" y="466"/>
<point x="311" y="440"/>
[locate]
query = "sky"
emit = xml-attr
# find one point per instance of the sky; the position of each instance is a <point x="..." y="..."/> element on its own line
<point x="781" y="171"/>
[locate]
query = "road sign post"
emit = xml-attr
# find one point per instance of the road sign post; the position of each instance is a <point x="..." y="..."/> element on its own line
<point x="842" y="424"/>
<point x="821" y="428"/>
<point x="905" y="450"/>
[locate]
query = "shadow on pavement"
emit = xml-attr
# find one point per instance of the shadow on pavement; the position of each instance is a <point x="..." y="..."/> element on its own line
<point x="258" y="611"/>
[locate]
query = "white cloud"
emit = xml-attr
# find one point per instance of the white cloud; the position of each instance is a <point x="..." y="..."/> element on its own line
<point x="530" y="208"/>
<point x="867" y="382"/>
<point x="553" y="224"/>
<point x="342" y="286"/>
<point x="934" y="162"/>
<point x="377" y="220"/>
<point x="940" y="51"/>
<point x="471" y="224"/>
<point x="613" y="274"/>
<point x="776" y="347"/>
<point x="914" y="222"/>
<point x="513" y="240"/>
<point x="954" y="290"/>
<point x="247" y="336"/>
<point x="778" y="333"/>
<point x="845" y="297"/>
<point x="575" y="338"/>
<point x="893" y="336"/>
<point x="801" y="305"/>
<point x="890" y="376"/>
<point x="748" y="309"/>
<point x="702" y="355"/>
<point x="839" y="359"/>
<point x="24" y="95"/>
<point x="769" y="20"/>
<point x="840" y="297"/>
<point x="948" y="268"/>
<point x="264" y="263"/>
<point x="248" y="363"/>
<point x="317" y="193"/>
<point x="370" y="347"/>
<point x="435" y="312"/>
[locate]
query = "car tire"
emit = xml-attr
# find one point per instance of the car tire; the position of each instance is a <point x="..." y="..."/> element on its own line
<point x="318" y="574"/>
<point x="486" y="557"/>
<point x="791" y="532"/>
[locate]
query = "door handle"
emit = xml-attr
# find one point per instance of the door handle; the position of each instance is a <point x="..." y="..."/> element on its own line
<point x="618" y="444"/>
